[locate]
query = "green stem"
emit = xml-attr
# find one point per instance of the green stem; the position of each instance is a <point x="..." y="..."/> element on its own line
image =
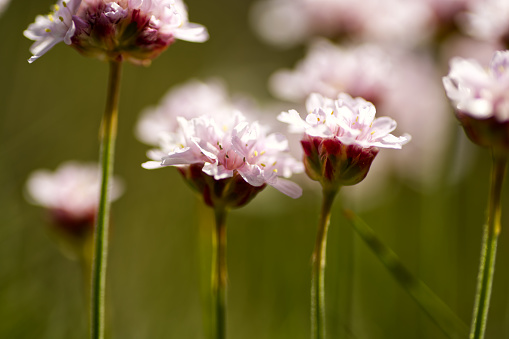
<point x="489" y="249"/>
<point x="219" y="275"/>
<point x="108" y="136"/>
<point x="318" y="270"/>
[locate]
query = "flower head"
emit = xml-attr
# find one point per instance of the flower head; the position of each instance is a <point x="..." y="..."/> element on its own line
<point x="481" y="99"/>
<point x="341" y="138"/>
<point x="71" y="194"/>
<point x="133" y="30"/>
<point x="228" y="161"/>
<point x="487" y="20"/>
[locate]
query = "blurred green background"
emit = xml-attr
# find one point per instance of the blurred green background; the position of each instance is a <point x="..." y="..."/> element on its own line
<point x="50" y="112"/>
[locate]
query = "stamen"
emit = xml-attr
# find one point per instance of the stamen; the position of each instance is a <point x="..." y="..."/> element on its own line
<point x="244" y="160"/>
<point x="256" y="153"/>
<point x="263" y="165"/>
<point x="262" y="153"/>
<point x="64" y="3"/>
<point x="48" y="30"/>
<point x="61" y="19"/>
<point x="56" y="7"/>
<point x="275" y="170"/>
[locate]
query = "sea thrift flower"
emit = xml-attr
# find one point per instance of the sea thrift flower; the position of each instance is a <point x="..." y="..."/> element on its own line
<point x="229" y="161"/>
<point x="329" y="69"/>
<point x="188" y="101"/>
<point x="70" y="194"/>
<point x="133" y="30"/>
<point x="341" y="138"/>
<point x="488" y="20"/>
<point x="481" y="99"/>
<point x="290" y="22"/>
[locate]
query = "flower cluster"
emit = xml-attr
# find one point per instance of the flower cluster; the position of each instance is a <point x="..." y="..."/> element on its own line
<point x="341" y="138"/>
<point x="481" y="99"/>
<point x="229" y="161"/>
<point x="132" y="30"/>
<point x="71" y="194"/>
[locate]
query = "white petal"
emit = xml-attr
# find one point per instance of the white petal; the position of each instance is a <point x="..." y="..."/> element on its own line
<point x="151" y="165"/>
<point x="192" y="32"/>
<point x="287" y="187"/>
<point x="252" y="175"/>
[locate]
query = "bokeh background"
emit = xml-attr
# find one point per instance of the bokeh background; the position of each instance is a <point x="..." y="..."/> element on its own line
<point x="50" y="112"/>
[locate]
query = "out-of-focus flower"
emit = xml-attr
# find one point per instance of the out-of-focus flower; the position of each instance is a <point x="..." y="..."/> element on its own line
<point x="329" y="69"/>
<point x="228" y="161"/>
<point x="341" y="138"/>
<point x="481" y="99"/>
<point x="3" y="5"/>
<point x="288" y="22"/>
<point x="70" y="194"/>
<point x="132" y="30"/>
<point x="488" y="20"/>
<point x="189" y="100"/>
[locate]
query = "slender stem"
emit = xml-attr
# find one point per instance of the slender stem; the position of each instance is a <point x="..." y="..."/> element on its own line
<point x="318" y="271"/>
<point x="108" y="136"/>
<point x="219" y="275"/>
<point x="489" y="249"/>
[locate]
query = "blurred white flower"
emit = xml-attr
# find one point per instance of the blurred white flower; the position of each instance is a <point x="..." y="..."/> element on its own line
<point x="189" y="100"/>
<point x="329" y="69"/>
<point x="479" y="92"/>
<point x="133" y="30"/>
<point x="481" y="99"/>
<point x="70" y="193"/>
<point x="228" y="148"/>
<point x="288" y="22"/>
<point x="487" y="20"/>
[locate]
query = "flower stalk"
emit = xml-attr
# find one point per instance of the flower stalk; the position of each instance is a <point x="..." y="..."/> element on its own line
<point x="318" y="270"/>
<point x="219" y="275"/>
<point x="489" y="249"/>
<point x="108" y="136"/>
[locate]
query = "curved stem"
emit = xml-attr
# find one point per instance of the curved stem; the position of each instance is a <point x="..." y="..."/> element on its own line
<point x="489" y="249"/>
<point x="108" y="136"/>
<point x="318" y="271"/>
<point x="219" y="275"/>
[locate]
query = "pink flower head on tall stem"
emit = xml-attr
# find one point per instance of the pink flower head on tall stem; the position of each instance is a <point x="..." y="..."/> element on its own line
<point x="132" y="30"/>
<point x="341" y="138"/>
<point x="229" y="161"/>
<point x="481" y="99"/>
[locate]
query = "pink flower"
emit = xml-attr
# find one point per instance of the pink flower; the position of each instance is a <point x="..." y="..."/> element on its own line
<point x="228" y="161"/>
<point x="132" y="30"/>
<point x="481" y="99"/>
<point x="289" y="22"/>
<point x="341" y="138"/>
<point x="71" y="194"/>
